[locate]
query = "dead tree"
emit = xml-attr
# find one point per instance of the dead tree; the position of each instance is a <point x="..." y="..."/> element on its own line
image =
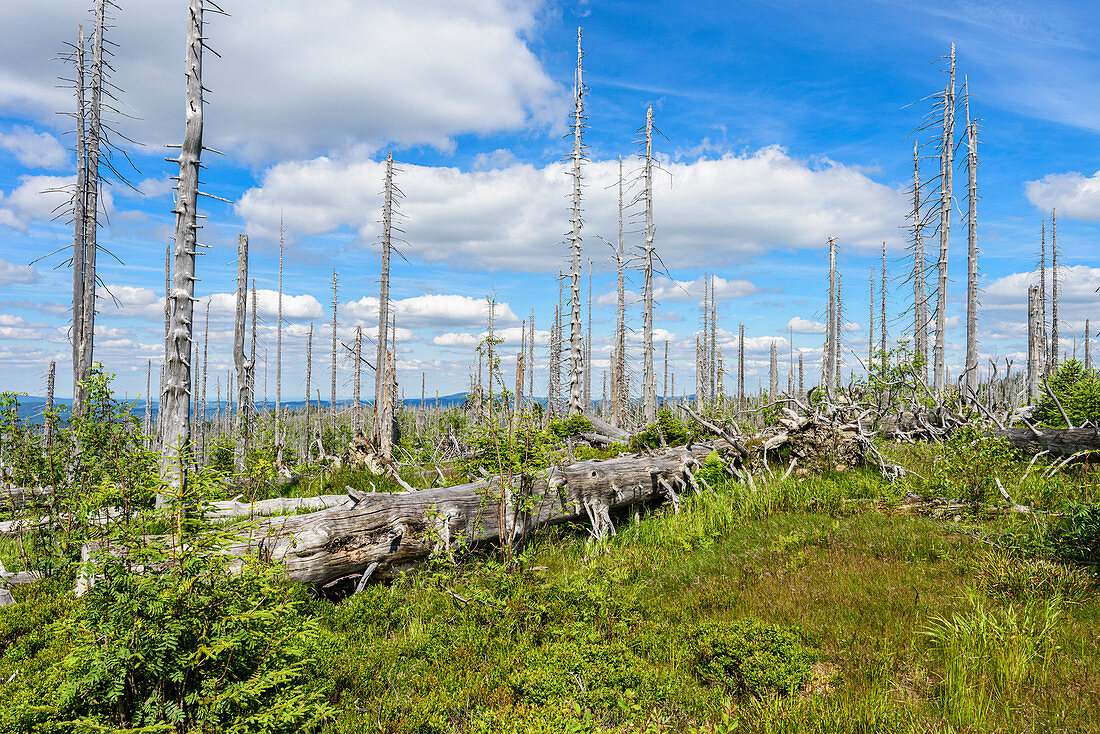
<point x="972" y="253"/>
<point x="1088" y="339"/>
<point x="773" y="374"/>
<point x="920" y="304"/>
<point x="309" y="375"/>
<point x="1053" y="291"/>
<point x="575" y="354"/>
<point x="1034" y="343"/>
<point x="382" y="342"/>
<point x="176" y="436"/>
<point x="618" y="369"/>
<point x="946" y="173"/>
<point x="831" y="337"/>
<point x="882" y="314"/>
<point x="741" y="367"/>
<point x="649" y="383"/>
<point x="279" y="345"/>
<point x="531" y="356"/>
<point x="79" y="231"/>
<point x="335" y="304"/>
<point x="243" y="364"/>
<point x="871" y="329"/>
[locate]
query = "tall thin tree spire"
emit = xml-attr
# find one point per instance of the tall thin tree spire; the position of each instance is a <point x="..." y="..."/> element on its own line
<point x="332" y="386"/>
<point x="649" y="386"/>
<point x="1053" y="290"/>
<point x="279" y="342"/>
<point x="575" y="353"/>
<point x="920" y="305"/>
<point x="380" y="360"/>
<point x="972" y="251"/>
<point x="176" y="436"/>
<point x="946" y="173"/>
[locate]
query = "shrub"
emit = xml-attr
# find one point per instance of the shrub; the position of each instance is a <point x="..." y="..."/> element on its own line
<point x="668" y="425"/>
<point x="1078" y="389"/>
<point x="752" y="658"/>
<point x="970" y="461"/>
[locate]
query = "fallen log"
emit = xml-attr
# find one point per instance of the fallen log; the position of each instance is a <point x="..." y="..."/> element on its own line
<point x="1064" y="442"/>
<point x="398" y="531"/>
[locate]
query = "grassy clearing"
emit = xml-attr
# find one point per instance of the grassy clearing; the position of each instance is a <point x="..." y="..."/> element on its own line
<point x="802" y="606"/>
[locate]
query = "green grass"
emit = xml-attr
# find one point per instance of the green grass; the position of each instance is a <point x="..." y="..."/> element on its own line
<point x="905" y="626"/>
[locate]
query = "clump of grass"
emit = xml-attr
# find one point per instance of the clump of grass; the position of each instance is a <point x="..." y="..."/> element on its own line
<point x="1007" y="577"/>
<point x="990" y="654"/>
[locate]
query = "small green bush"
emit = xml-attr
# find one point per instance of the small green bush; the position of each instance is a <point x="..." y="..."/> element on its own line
<point x="668" y="425"/>
<point x="1078" y="389"/>
<point x="571" y="426"/>
<point x="753" y="658"/>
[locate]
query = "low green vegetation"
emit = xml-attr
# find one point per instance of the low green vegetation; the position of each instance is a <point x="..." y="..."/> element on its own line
<point x="798" y="605"/>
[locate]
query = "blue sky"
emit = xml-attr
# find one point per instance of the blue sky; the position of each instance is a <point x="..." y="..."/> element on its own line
<point x="784" y="122"/>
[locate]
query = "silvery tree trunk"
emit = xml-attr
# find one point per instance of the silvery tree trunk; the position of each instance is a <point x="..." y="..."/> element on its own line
<point x="871" y="328"/>
<point x="575" y="354"/>
<point x="618" y="379"/>
<point x="882" y="313"/>
<point x="1043" y="294"/>
<point x="1034" y="343"/>
<point x="279" y="345"/>
<point x="309" y="375"/>
<point x="972" y="255"/>
<point x="91" y="197"/>
<point x="649" y="383"/>
<point x="332" y="400"/>
<point x="205" y="370"/>
<point x="741" y="367"/>
<point x="382" y="346"/>
<point x="946" y="173"/>
<point x="79" y="235"/>
<point x="588" y="346"/>
<point x="531" y="357"/>
<point x="920" y="306"/>
<point x="1088" y="338"/>
<point x="831" y="322"/>
<point x="773" y="375"/>
<point x="357" y="375"/>
<point x="177" y="420"/>
<point x="240" y="360"/>
<point x="1053" y="291"/>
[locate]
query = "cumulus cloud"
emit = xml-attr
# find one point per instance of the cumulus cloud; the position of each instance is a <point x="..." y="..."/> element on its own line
<point x="12" y="274"/>
<point x="359" y="74"/>
<point x="666" y="290"/>
<point x="432" y="310"/>
<point x="709" y="212"/>
<point x="1074" y="195"/>
<point x="34" y="149"/>
<point x="799" y="325"/>
<point x="512" y="337"/>
<point x="42" y="198"/>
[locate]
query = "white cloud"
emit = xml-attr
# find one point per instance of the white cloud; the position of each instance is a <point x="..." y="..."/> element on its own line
<point x="43" y="198"/>
<point x="302" y="78"/>
<point x="295" y="308"/>
<point x="11" y="274"/>
<point x="34" y="149"/>
<point x="513" y="337"/>
<point x="709" y="213"/>
<point x="1077" y="285"/>
<point x="799" y="325"/>
<point x="431" y="309"/>
<point x="1075" y="195"/>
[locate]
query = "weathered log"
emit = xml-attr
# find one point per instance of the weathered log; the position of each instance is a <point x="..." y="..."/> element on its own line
<point x="399" y="530"/>
<point x="1063" y="442"/>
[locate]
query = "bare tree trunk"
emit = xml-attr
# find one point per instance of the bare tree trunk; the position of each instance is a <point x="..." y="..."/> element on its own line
<point x="649" y="387"/>
<point x="147" y="424"/>
<point x="279" y="346"/>
<point x="920" y="306"/>
<point x="741" y="367"/>
<point x="205" y="370"/>
<point x="575" y="356"/>
<point x="1043" y="365"/>
<point x="871" y="329"/>
<point x="1088" y="338"/>
<point x="946" y="173"/>
<point x="1053" y="291"/>
<point x="714" y="390"/>
<point x="618" y="369"/>
<point x="309" y="375"/>
<point x="49" y="418"/>
<point x="773" y="375"/>
<point x="382" y="350"/>
<point x="356" y="384"/>
<point x="91" y="197"/>
<point x="801" y="381"/>
<point x="1034" y="346"/>
<point x="972" y="254"/>
<point x="177" y="423"/>
<point x="882" y="313"/>
<point x="831" y="323"/>
<point x="240" y="360"/>
<point x="332" y="400"/>
<point x="80" y="207"/>
<point x="531" y="357"/>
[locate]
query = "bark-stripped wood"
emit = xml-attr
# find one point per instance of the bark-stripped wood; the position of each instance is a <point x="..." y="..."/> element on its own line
<point x="176" y="429"/>
<point x="972" y="253"/>
<point x="946" y="174"/>
<point x="576" y="397"/>
<point x="649" y="382"/>
<point x="242" y="363"/>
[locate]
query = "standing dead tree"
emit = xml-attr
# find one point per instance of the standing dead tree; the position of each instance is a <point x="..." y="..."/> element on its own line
<point x="1034" y="342"/>
<point x="576" y="358"/>
<point x="383" y="421"/>
<point x="831" y="323"/>
<point x="1053" y="362"/>
<point x="620" y="396"/>
<point x="649" y="382"/>
<point x="972" y="252"/>
<point x="279" y="343"/>
<point x="882" y="314"/>
<point x="176" y="427"/>
<point x="920" y="305"/>
<point x="946" y="172"/>
<point x="335" y="306"/>
<point x="245" y="401"/>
